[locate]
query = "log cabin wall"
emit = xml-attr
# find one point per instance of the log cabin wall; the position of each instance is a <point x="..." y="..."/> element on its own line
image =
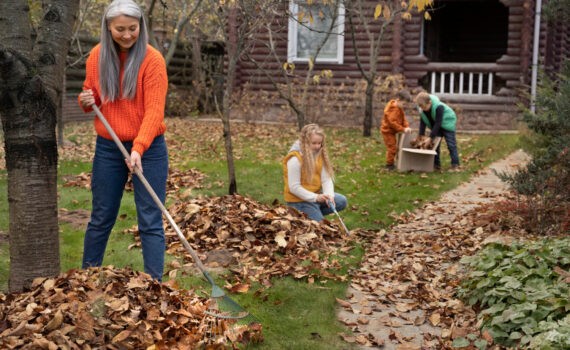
<point x="485" y="84"/>
<point x="267" y="71"/>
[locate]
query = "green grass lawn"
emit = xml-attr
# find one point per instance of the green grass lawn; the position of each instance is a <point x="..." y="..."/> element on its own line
<point x="295" y="314"/>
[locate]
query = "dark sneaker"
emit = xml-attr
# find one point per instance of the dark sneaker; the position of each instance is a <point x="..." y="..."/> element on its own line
<point x="390" y="167"/>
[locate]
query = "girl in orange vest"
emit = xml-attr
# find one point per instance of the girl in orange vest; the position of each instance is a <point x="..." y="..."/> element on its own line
<point x="308" y="176"/>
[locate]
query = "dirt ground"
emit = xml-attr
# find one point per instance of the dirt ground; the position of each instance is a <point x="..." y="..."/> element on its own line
<point x="76" y="218"/>
<point x="383" y="319"/>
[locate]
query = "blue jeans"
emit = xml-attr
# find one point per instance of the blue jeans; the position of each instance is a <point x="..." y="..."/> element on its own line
<point x="110" y="174"/>
<point x="317" y="211"/>
<point x="451" y="146"/>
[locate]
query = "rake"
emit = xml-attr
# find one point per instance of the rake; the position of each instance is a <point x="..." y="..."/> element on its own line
<point x="331" y="204"/>
<point x="221" y="305"/>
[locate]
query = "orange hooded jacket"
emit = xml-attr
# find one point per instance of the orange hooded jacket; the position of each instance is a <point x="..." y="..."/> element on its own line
<point x="394" y="120"/>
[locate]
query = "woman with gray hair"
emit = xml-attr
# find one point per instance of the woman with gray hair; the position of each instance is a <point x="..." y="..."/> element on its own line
<point x="126" y="78"/>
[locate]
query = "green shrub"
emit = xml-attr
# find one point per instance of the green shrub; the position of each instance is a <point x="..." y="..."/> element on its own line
<point x="522" y="293"/>
<point x="546" y="180"/>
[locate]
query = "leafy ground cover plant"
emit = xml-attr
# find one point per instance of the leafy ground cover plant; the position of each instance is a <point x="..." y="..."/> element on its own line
<point x="521" y="291"/>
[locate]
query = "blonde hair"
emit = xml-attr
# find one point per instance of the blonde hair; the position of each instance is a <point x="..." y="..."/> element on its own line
<point x="422" y="98"/>
<point x="308" y="158"/>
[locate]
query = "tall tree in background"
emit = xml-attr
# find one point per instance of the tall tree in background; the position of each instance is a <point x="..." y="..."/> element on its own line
<point x="238" y="21"/>
<point x="183" y="13"/>
<point x="32" y="64"/>
<point x="374" y="20"/>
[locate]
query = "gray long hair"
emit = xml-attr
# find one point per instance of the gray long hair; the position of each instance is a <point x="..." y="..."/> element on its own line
<point x="109" y="58"/>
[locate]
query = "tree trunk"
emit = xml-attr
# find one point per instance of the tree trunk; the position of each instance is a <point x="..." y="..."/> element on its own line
<point x="226" y="111"/>
<point x="368" y="108"/>
<point x="233" y="50"/>
<point x="31" y="81"/>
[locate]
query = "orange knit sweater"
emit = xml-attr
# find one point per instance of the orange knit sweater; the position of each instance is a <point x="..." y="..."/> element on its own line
<point x="141" y="119"/>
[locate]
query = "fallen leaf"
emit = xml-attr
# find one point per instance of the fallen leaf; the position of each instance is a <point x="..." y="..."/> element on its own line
<point x="435" y="319"/>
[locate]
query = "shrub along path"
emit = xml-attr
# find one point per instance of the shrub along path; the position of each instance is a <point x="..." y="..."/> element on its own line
<point x="401" y="296"/>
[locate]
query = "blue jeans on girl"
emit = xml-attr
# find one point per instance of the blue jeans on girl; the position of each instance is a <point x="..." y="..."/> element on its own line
<point x="110" y="174"/>
<point x="317" y="211"/>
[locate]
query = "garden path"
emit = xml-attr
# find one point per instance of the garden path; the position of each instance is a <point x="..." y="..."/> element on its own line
<point x="382" y="321"/>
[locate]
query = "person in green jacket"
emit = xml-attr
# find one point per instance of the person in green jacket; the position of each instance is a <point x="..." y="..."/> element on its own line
<point x="441" y="120"/>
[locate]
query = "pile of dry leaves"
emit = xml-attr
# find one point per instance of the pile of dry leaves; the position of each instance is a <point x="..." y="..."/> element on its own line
<point x="113" y="309"/>
<point x="253" y="240"/>
<point x="258" y="241"/>
<point x="422" y="142"/>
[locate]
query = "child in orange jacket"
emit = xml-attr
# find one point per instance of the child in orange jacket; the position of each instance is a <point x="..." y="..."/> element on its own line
<point x="393" y="122"/>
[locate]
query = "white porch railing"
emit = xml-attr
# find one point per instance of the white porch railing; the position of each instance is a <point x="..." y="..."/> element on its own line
<point x="462" y="78"/>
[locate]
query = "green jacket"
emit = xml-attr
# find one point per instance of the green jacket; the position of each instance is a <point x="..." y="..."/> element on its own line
<point x="449" y="117"/>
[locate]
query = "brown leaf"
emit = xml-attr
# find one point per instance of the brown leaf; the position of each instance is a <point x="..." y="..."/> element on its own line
<point x="240" y="288"/>
<point x="405" y="307"/>
<point x="408" y="346"/>
<point x="488" y="337"/>
<point x="435" y="319"/>
<point x="349" y="323"/>
<point x="362" y="340"/>
<point x="122" y="336"/>
<point x="55" y="322"/>
<point x="348" y="338"/>
<point x="343" y="303"/>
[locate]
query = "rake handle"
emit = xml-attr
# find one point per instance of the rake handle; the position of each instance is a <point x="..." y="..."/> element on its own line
<point x="152" y="193"/>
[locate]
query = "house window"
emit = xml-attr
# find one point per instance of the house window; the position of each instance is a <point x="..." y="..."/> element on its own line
<point x="309" y="25"/>
<point x="466" y="31"/>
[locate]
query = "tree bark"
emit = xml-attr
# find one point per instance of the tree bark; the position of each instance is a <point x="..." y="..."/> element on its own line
<point x="31" y="82"/>
<point x="233" y="50"/>
<point x="368" y="108"/>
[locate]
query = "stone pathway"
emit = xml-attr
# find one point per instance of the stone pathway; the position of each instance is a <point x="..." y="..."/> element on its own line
<point x="379" y="321"/>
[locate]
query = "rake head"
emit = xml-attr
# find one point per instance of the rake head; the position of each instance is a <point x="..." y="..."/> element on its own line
<point x="227" y="321"/>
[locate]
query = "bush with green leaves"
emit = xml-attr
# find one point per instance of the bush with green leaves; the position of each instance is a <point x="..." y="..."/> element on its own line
<point x="522" y="292"/>
<point x="546" y="180"/>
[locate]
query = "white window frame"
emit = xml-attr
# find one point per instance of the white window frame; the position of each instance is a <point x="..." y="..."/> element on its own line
<point x="293" y="35"/>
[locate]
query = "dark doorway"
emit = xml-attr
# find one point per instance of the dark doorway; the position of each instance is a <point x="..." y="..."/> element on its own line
<point x="466" y="31"/>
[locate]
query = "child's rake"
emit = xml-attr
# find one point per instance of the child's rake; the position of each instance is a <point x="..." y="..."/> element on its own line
<point x="331" y="204"/>
<point x="221" y="305"/>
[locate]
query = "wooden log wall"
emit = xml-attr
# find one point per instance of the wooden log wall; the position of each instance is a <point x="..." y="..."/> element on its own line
<point x="519" y="36"/>
<point x="415" y="63"/>
<point x="346" y="73"/>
